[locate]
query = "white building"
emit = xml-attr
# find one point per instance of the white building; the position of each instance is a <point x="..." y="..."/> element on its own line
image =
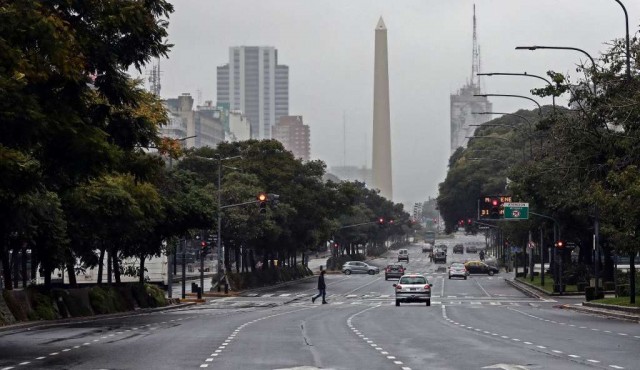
<point x="239" y="127"/>
<point x="254" y="83"/>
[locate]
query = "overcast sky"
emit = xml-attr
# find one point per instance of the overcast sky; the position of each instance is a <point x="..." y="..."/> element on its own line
<point x="328" y="46"/>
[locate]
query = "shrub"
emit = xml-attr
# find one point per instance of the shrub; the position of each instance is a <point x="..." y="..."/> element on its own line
<point x="155" y="296"/>
<point x="42" y="306"/>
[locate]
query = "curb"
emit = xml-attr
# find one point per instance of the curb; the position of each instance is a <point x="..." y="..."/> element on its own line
<point x="609" y="313"/>
<point x="631" y="310"/>
<point x="525" y="289"/>
<point x="546" y="293"/>
<point x="53" y="323"/>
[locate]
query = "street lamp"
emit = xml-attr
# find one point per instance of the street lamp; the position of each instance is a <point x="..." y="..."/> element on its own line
<point x="626" y="19"/>
<point x="221" y="267"/>
<point x="593" y="62"/>
<point x="525" y="74"/>
<point x="514" y="96"/>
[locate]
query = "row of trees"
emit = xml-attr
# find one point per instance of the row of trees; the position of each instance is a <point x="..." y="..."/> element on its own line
<point x="77" y="181"/>
<point x="580" y="166"/>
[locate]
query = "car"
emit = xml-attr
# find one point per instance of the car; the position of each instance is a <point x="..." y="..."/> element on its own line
<point x="479" y="267"/>
<point x="395" y="270"/>
<point x="403" y="255"/>
<point x="440" y="255"/>
<point x="427" y="248"/>
<point x="472" y="249"/>
<point x="458" y="248"/>
<point x="358" y="267"/>
<point x="443" y="247"/>
<point x="413" y="288"/>
<point x="458" y="270"/>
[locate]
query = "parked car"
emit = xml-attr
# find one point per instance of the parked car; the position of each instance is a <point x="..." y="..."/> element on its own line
<point x="413" y="288"/>
<point x="427" y="248"/>
<point x="472" y="249"/>
<point x="458" y="270"/>
<point x="403" y="255"/>
<point x="479" y="267"/>
<point x="458" y="248"/>
<point x="393" y="271"/>
<point x="357" y="267"/>
<point x="440" y="255"/>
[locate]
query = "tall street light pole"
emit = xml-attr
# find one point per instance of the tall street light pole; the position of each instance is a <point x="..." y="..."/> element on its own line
<point x="626" y="19"/>
<point x="593" y="62"/>
<point x="525" y="74"/>
<point x="221" y="267"/>
<point x="514" y="96"/>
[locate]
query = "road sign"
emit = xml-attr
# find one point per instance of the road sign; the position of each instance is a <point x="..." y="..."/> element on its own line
<point x="516" y="211"/>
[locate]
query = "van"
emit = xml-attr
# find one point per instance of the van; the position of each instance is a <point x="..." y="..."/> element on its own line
<point x="403" y="255"/>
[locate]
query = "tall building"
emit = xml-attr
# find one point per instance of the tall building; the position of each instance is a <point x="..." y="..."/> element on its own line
<point x="203" y="126"/>
<point x="463" y="104"/>
<point x="381" y="164"/>
<point x="294" y="136"/>
<point x="254" y="83"/>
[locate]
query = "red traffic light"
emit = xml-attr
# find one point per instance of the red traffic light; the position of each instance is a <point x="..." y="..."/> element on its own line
<point x="495" y="202"/>
<point x="381" y="221"/>
<point x="469" y="221"/>
<point x="203" y="244"/>
<point x="262" y="197"/>
<point x="560" y="244"/>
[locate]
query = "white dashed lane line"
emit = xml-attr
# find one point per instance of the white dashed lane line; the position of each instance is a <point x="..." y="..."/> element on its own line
<point x="223" y="346"/>
<point x="571" y="325"/>
<point x="370" y="342"/>
<point x="556" y="352"/>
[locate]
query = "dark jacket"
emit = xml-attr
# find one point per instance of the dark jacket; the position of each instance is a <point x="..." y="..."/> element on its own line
<point x="321" y="284"/>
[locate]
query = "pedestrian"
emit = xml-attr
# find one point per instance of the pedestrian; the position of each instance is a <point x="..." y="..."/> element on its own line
<point x="322" y="288"/>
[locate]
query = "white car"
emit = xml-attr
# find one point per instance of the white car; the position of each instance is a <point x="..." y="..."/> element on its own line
<point x="413" y="288"/>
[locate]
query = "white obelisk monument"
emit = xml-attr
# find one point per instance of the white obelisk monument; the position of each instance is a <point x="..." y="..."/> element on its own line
<point x="382" y="178"/>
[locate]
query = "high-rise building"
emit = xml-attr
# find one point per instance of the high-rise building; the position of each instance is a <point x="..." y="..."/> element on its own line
<point x="294" y="136"/>
<point x="464" y="103"/>
<point x="239" y="126"/>
<point x="254" y="83"/>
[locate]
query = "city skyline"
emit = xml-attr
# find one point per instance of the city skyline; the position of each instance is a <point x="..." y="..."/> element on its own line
<point x="429" y="56"/>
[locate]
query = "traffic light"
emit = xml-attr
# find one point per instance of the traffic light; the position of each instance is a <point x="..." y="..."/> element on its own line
<point x="560" y="244"/>
<point x="496" y="204"/>
<point x="262" y="203"/>
<point x="469" y="221"/>
<point x="204" y="247"/>
<point x="380" y="221"/>
<point x="390" y="222"/>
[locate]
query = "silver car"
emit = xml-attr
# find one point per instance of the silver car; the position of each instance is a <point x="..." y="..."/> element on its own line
<point x="458" y="269"/>
<point x="357" y="267"/>
<point x="413" y="288"/>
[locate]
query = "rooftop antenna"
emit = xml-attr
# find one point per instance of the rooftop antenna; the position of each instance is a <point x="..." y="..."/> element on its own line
<point x="475" y="62"/>
<point x="154" y="78"/>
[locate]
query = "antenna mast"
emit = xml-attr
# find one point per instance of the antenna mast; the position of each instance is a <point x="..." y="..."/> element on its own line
<point x="154" y="78"/>
<point x="475" y="62"/>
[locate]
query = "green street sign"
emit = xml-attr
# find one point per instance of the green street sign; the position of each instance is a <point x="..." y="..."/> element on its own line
<point x="516" y="211"/>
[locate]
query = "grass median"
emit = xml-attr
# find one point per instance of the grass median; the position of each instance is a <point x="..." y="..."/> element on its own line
<point x="619" y="301"/>
<point x="548" y="284"/>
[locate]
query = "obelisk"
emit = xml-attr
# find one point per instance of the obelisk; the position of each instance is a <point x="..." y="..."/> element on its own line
<point x="382" y="178"/>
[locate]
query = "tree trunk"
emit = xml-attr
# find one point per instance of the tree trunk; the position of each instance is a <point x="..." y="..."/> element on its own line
<point x="6" y="269"/>
<point x="14" y="267"/>
<point x="100" y="265"/>
<point x="237" y="254"/>
<point x="23" y="259"/>
<point x="632" y="277"/>
<point x="142" y="259"/>
<point x="109" y="265"/>
<point x="70" y="264"/>
<point x="252" y="261"/>
<point x="116" y="268"/>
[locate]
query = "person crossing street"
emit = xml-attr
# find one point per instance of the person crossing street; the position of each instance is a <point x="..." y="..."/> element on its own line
<point x="322" y="289"/>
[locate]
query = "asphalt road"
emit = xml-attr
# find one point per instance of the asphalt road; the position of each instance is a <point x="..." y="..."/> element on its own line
<point x="481" y="322"/>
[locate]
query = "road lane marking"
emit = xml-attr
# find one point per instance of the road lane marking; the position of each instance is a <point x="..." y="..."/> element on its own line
<point x="616" y="367"/>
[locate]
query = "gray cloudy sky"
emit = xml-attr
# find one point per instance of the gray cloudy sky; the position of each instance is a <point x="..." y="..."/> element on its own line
<point x="328" y="46"/>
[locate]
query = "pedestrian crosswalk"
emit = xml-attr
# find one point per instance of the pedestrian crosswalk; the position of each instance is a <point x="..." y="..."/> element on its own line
<point x="370" y="299"/>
